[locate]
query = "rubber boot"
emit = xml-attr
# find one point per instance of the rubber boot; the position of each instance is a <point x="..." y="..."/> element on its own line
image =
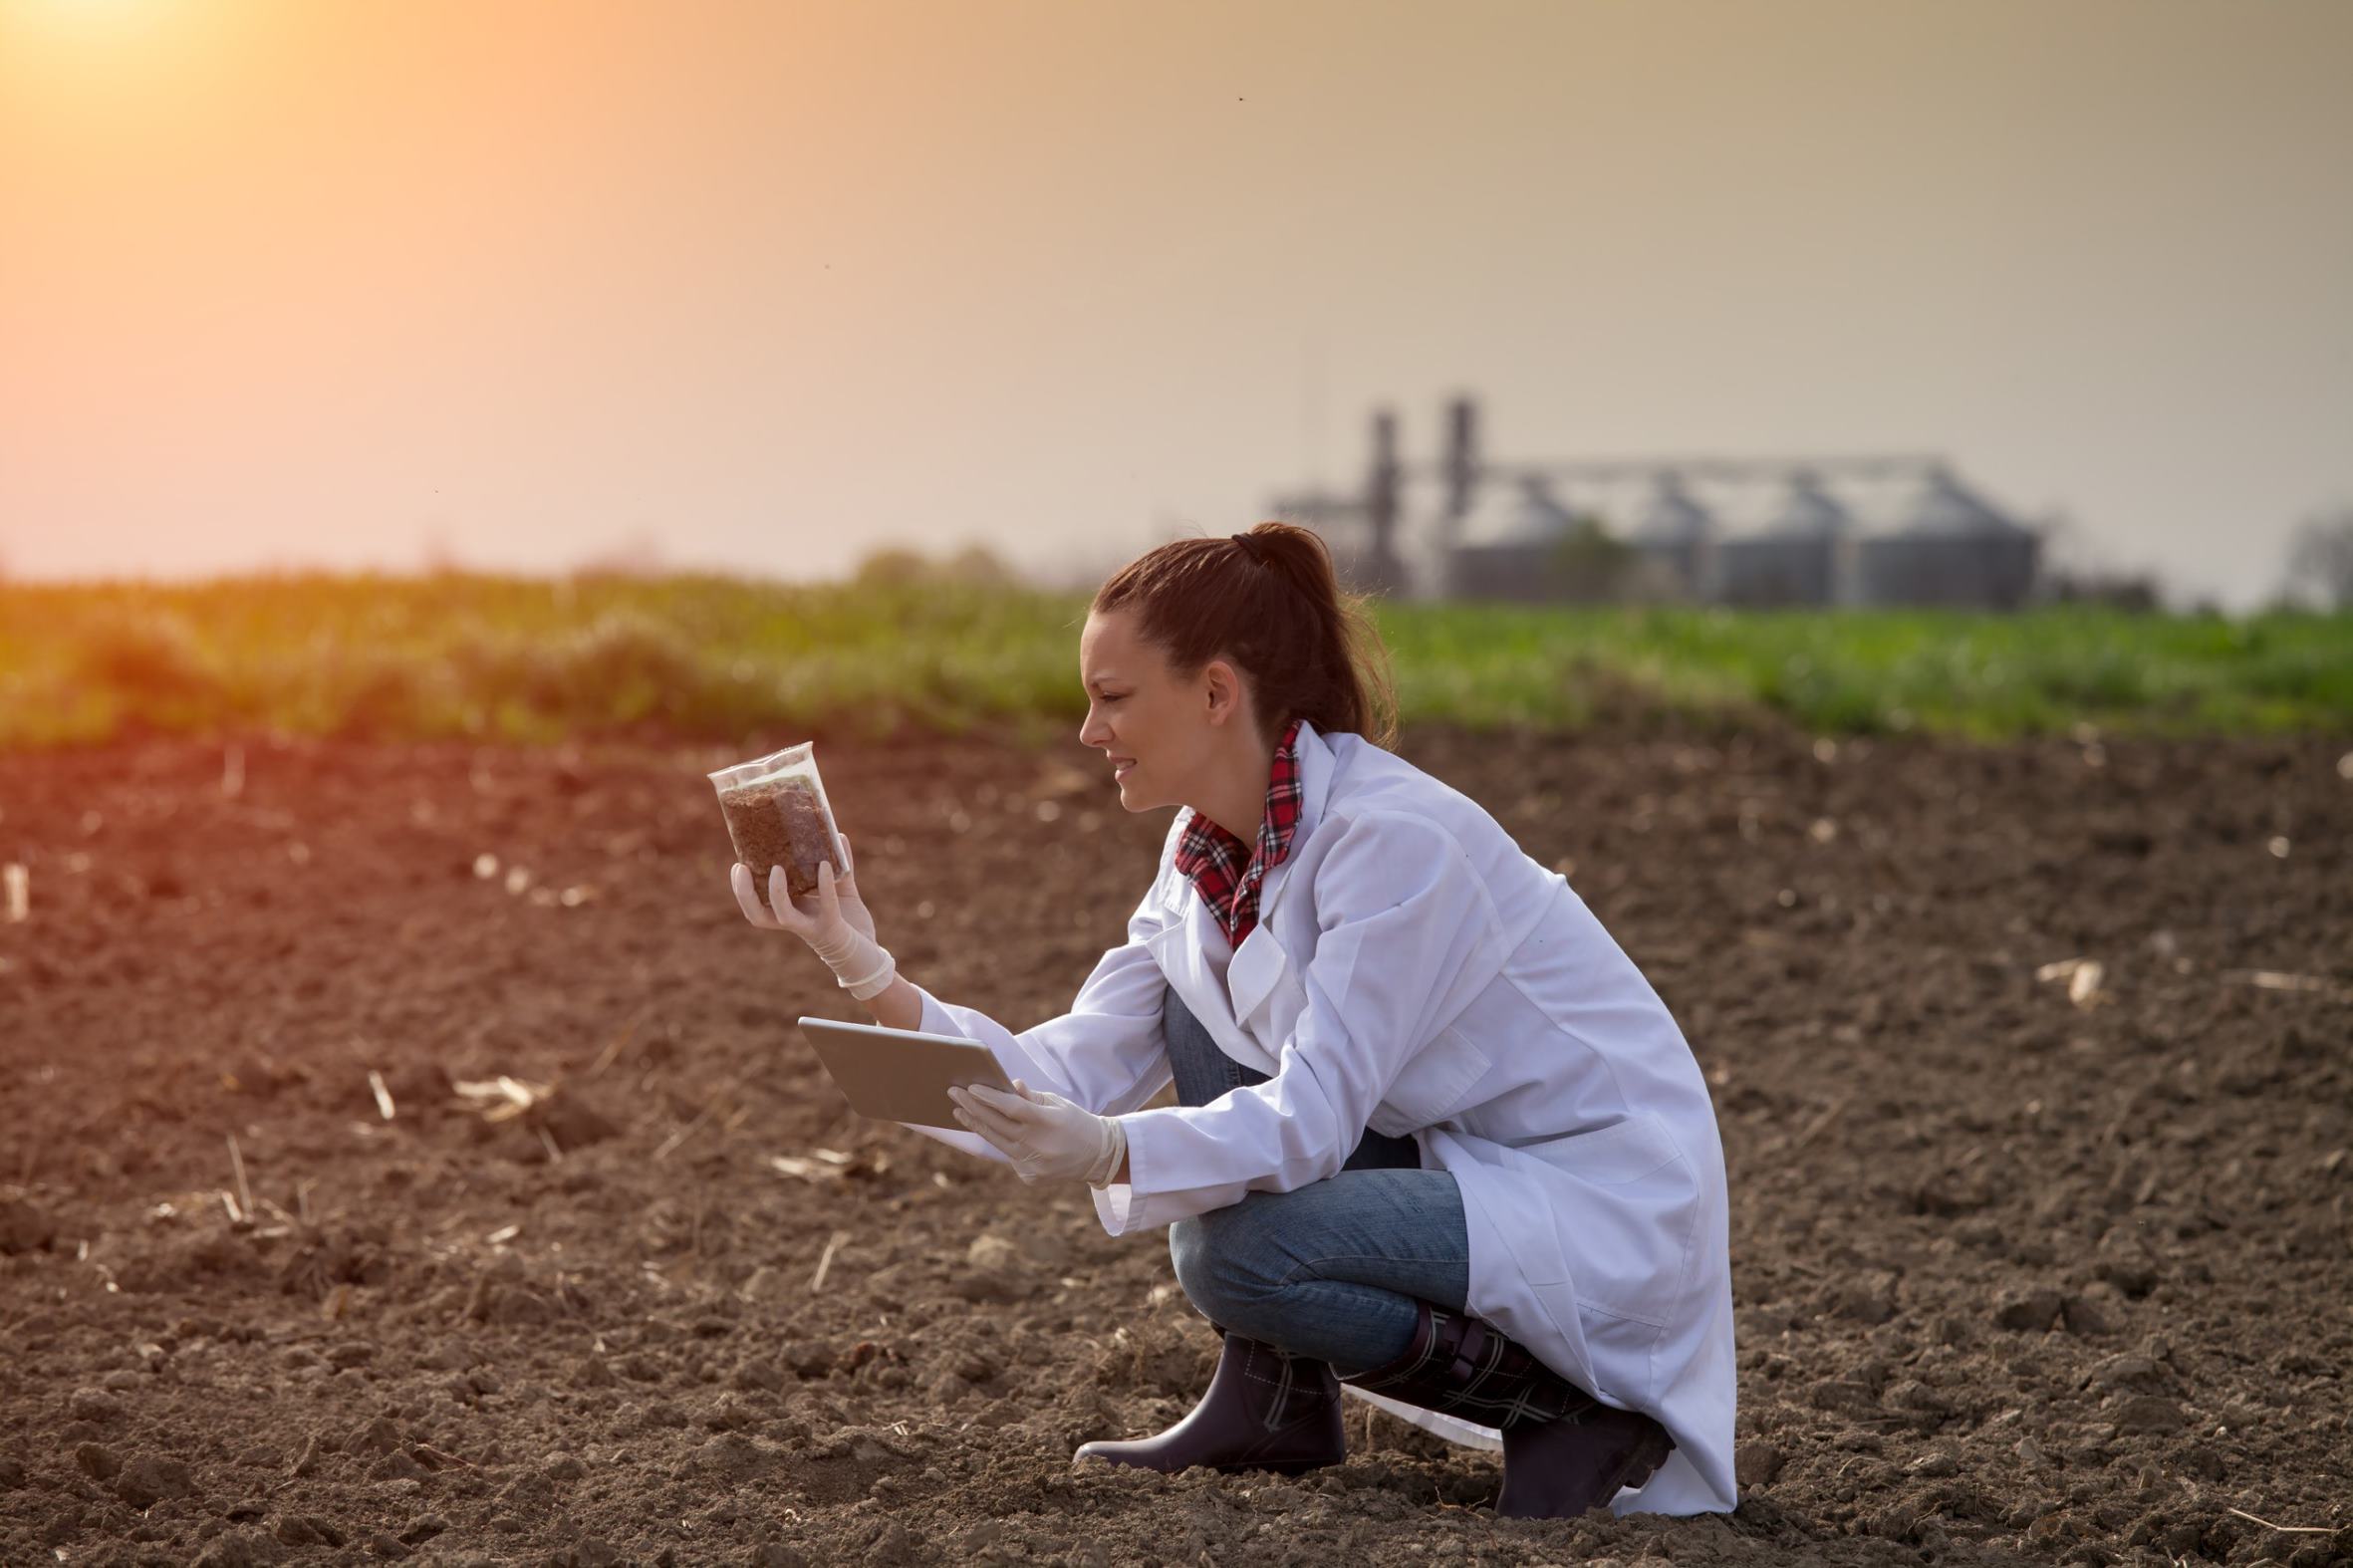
<point x="1564" y="1450"/>
<point x="1264" y="1411"/>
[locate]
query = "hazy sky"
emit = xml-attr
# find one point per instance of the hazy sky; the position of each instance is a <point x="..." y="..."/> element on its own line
<point x="318" y="281"/>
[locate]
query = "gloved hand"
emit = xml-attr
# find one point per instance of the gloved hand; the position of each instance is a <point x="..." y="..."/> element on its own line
<point x="1045" y="1136"/>
<point x="834" y="922"/>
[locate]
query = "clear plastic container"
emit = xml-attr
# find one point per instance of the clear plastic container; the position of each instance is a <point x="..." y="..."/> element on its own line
<point x="777" y="815"/>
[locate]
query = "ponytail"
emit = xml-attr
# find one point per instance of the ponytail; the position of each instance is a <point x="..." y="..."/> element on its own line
<point x="1268" y="600"/>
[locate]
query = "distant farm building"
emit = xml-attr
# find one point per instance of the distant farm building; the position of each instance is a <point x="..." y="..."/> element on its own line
<point x="1825" y="531"/>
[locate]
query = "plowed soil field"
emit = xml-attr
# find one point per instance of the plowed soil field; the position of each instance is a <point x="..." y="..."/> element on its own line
<point x="2028" y="1269"/>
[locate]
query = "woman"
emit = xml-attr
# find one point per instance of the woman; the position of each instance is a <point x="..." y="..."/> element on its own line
<point x="1438" y="1141"/>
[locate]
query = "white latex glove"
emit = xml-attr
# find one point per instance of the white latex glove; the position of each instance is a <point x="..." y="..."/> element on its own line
<point x="834" y="922"/>
<point x="1045" y="1136"/>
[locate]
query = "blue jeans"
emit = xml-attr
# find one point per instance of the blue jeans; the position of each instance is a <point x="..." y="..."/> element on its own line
<point x="1331" y="1269"/>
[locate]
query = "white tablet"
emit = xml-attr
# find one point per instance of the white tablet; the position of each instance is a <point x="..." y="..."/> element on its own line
<point x="899" y="1075"/>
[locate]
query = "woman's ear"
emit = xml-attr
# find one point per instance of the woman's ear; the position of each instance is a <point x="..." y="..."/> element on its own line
<point x="1223" y="686"/>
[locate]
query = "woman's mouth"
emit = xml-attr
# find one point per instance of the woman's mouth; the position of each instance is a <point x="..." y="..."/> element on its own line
<point x="1121" y="767"/>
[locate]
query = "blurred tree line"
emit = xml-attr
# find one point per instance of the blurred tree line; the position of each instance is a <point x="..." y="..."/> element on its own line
<point x="899" y="566"/>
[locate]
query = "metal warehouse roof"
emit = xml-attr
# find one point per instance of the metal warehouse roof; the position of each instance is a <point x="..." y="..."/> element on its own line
<point x="1513" y="513"/>
<point x="1810" y="510"/>
<point x="1943" y="507"/>
<point x="1667" y="505"/>
<point x="1670" y="513"/>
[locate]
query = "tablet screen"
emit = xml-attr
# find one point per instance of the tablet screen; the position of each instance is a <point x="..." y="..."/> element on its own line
<point x="899" y="1075"/>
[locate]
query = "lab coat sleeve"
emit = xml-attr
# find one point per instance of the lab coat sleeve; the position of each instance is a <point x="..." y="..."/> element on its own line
<point x="1405" y="924"/>
<point x="1108" y="1053"/>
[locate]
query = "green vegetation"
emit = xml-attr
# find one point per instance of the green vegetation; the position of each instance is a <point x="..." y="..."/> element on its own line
<point x="1986" y="676"/>
<point x="535" y="660"/>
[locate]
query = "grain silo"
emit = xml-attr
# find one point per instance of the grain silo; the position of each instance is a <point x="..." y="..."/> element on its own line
<point x="1805" y="555"/>
<point x="1509" y="545"/>
<point x="1953" y="550"/>
<point x="1679" y="534"/>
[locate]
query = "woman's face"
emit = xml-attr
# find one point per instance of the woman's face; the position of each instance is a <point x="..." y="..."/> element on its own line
<point x="1160" y="734"/>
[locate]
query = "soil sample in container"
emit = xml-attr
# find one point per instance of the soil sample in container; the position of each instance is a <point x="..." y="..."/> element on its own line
<point x="777" y="815"/>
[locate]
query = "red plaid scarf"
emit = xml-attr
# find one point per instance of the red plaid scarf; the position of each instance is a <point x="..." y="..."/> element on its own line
<point x="1228" y="872"/>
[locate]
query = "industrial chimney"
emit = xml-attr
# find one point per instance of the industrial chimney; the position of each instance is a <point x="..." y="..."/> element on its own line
<point x="1462" y="458"/>
<point x="1381" y="498"/>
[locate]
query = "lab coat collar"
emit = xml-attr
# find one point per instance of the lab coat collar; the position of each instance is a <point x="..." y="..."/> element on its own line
<point x="1185" y="948"/>
<point x="1315" y="786"/>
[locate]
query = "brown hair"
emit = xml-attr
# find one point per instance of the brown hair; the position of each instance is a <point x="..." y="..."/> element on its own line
<point x="1268" y="601"/>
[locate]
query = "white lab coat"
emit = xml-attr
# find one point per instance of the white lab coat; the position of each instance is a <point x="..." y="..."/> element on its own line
<point x="1414" y="972"/>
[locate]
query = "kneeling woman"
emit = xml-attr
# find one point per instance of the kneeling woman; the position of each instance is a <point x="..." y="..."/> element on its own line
<point x="1438" y="1141"/>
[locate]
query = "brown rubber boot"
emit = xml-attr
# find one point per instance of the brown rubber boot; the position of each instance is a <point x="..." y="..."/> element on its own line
<point x="1264" y="1411"/>
<point x="1564" y="1450"/>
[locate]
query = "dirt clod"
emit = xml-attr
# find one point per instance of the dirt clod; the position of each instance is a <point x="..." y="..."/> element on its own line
<point x="295" y="1529"/>
<point x="2032" y="1309"/>
<point x="424" y="1528"/>
<point x="149" y="1478"/>
<point x="241" y="1549"/>
<point x="25" y="1226"/>
<point x="2083" y="1315"/>
<point x="2143" y="1413"/>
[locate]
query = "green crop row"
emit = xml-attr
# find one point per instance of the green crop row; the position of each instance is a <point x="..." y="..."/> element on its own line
<point x="533" y="660"/>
